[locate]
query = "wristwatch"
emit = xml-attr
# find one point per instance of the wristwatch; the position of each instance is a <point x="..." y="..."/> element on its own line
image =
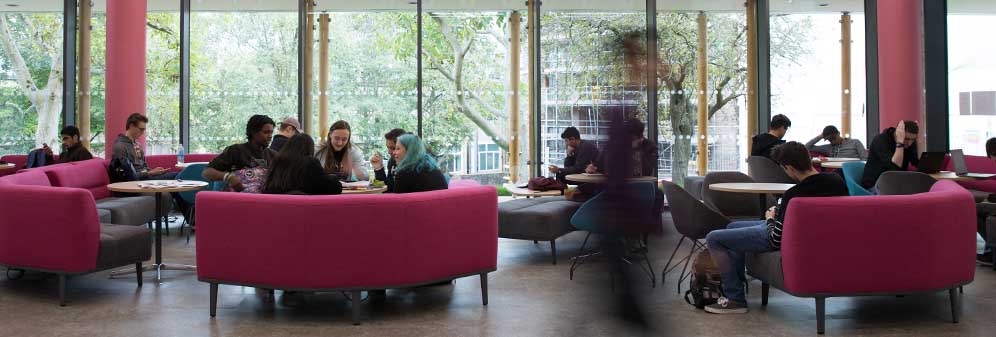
<point x="900" y="145"/>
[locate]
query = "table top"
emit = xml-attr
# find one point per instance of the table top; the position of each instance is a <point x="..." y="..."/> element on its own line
<point x="368" y="190"/>
<point x="757" y="188"/>
<point x="156" y="186"/>
<point x="184" y="165"/>
<point x="834" y="159"/>
<point x="948" y="175"/>
<point x="6" y="166"/>
<point x="519" y="191"/>
<point x="835" y="164"/>
<point x="599" y="178"/>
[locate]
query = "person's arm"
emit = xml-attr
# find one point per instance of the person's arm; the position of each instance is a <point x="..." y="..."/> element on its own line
<point x="217" y="170"/>
<point x="860" y="148"/>
<point x="360" y="165"/>
<point x="320" y="183"/>
<point x="582" y="157"/>
<point x="812" y="142"/>
<point x="826" y="149"/>
<point x="403" y="181"/>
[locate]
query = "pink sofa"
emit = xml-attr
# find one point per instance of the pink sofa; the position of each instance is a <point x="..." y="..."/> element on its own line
<point x="873" y="245"/>
<point x="976" y="164"/>
<point x="55" y="230"/>
<point x="346" y="242"/>
<point x="164" y="160"/>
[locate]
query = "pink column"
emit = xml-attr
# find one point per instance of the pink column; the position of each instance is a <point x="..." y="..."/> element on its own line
<point x="125" y="81"/>
<point x="900" y="62"/>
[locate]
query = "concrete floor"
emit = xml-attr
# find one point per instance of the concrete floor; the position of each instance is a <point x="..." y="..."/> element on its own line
<point x="528" y="297"/>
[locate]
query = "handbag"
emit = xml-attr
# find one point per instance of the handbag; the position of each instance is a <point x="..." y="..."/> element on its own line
<point x="544" y="184"/>
<point x="253" y="179"/>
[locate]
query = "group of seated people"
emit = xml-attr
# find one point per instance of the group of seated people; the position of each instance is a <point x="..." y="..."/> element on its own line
<point x="583" y="156"/>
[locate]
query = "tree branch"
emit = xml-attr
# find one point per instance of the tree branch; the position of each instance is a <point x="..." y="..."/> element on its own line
<point x="20" y="67"/>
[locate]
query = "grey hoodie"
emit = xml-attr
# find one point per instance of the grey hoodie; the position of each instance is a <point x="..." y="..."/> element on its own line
<point x="125" y="148"/>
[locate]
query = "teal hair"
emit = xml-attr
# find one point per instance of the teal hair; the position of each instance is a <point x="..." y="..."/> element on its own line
<point x="416" y="157"/>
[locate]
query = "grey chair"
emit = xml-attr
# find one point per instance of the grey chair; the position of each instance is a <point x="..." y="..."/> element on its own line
<point x="765" y="170"/>
<point x="693" y="185"/>
<point x="904" y="182"/>
<point x="737" y="206"/>
<point x="693" y="220"/>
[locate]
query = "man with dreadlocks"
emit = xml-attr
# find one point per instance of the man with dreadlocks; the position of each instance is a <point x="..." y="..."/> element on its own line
<point x="254" y="153"/>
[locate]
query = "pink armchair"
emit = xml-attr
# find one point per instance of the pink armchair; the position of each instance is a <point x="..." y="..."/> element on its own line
<point x="873" y="245"/>
<point x="346" y="242"/>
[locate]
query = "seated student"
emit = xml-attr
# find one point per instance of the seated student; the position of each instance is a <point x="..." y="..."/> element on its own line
<point x="288" y="128"/>
<point x="644" y="153"/>
<point x="584" y="153"/>
<point x="72" y="148"/>
<point x="839" y="146"/>
<point x="251" y="154"/>
<point x="338" y="155"/>
<point x="295" y="170"/>
<point x="892" y="150"/>
<point x="417" y="171"/>
<point x="984" y="210"/>
<point x="763" y="143"/>
<point x="127" y="147"/>
<point x="382" y="173"/>
<point x="729" y="246"/>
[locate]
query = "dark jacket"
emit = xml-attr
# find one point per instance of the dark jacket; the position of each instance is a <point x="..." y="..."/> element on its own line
<point x="74" y="153"/>
<point x="125" y="148"/>
<point x="880" y="157"/>
<point x="409" y="181"/>
<point x="386" y="174"/>
<point x="278" y="142"/>
<point x="586" y="153"/>
<point x="240" y="156"/>
<point x="311" y="180"/>
<point x="763" y="143"/>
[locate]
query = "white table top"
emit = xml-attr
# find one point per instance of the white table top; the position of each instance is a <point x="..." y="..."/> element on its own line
<point x="835" y="164"/>
<point x="835" y="159"/>
<point x="184" y="165"/>
<point x="156" y="186"/>
<point x="600" y="178"/>
<point x="525" y="192"/>
<point x="755" y="188"/>
<point x="948" y="175"/>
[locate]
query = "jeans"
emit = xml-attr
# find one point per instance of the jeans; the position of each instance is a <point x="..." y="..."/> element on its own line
<point x="728" y="248"/>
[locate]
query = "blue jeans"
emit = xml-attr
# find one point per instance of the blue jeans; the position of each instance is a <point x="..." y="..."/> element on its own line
<point x="728" y="248"/>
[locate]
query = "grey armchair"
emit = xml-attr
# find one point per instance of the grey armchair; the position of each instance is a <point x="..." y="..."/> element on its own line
<point x="693" y="220"/>
<point x="904" y="182"/>
<point x="765" y="170"/>
<point x="737" y="206"/>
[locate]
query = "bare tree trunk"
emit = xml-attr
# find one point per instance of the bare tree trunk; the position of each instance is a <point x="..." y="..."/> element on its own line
<point x="47" y="101"/>
<point x="681" y="123"/>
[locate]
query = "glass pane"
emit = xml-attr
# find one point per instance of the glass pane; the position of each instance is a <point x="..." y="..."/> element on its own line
<point x="971" y="68"/>
<point x="30" y="75"/>
<point x="469" y="84"/>
<point x="243" y="61"/>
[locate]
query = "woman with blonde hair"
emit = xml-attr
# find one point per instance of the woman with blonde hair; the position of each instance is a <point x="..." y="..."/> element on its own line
<point x="339" y="157"/>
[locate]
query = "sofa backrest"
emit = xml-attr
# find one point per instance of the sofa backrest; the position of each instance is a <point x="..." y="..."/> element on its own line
<point x="90" y="175"/>
<point x="168" y="161"/>
<point x="19" y="160"/>
<point x="346" y="241"/>
<point x="48" y="228"/>
<point x="30" y="177"/>
<point x="880" y="244"/>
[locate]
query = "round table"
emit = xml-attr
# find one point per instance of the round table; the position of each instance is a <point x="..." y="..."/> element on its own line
<point x="835" y="164"/>
<point x="368" y="190"/>
<point x="184" y="165"/>
<point x="528" y="193"/>
<point x="948" y="175"/>
<point x="762" y="189"/>
<point x="601" y="178"/>
<point x="157" y="187"/>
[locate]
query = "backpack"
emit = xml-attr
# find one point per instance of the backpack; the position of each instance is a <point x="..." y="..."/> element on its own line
<point x="705" y="285"/>
<point x="121" y="169"/>
<point x="544" y="184"/>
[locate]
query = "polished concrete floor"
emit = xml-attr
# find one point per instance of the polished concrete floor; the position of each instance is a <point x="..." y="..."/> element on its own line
<point x="528" y="297"/>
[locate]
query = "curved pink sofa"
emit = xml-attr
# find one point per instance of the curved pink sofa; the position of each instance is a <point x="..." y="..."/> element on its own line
<point x="976" y="164"/>
<point x="346" y="242"/>
<point x="873" y="245"/>
<point x="164" y="160"/>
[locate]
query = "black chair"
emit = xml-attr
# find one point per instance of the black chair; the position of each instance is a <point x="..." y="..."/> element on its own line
<point x="693" y="220"/>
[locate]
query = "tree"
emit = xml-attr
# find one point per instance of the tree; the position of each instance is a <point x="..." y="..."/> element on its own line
<point x="43" y="89"/>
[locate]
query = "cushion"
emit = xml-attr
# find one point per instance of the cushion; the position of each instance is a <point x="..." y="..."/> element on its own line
<point x="35" y="178"/>
<point x="88" y="174"/>
<point x="767" y="267"/>
<point x="122" y="245"/>
<point x="104" y="216"/>
<point x="545" y="218"/>
<point x="133" y="211"/>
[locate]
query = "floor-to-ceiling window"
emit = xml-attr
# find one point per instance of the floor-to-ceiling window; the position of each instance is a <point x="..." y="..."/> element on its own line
<point x="30" y="75"/>
<point x="243" y="62"/>
<point x="807" y="68"/>
<point x="971" y="69"/>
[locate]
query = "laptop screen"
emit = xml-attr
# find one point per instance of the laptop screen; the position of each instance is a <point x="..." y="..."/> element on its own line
<point x="958" y="161"/>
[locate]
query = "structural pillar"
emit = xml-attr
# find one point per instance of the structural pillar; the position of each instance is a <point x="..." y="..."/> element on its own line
<point x="900" y="76"/>
<point x="702" y="57"/>
<point x="125" y="83"/>
<point x="83" y="80"/>
<point x="752" y="99"/>
<point x="845" y="75"/>
<point x="323" y="75"/>
<point x="535" y="85"/>
<point x="514" y="24"/>
<point x="307" y="89"/>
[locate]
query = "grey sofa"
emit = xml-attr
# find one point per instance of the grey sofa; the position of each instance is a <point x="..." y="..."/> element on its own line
<point x="537" y="219"/>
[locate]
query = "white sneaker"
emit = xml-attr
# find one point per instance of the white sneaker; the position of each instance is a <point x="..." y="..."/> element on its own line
<point x="725" y="306"/>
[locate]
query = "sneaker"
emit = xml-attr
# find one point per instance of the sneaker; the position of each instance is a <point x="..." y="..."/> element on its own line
<point x="984" y="259"/>
<point x="725" y="306"/>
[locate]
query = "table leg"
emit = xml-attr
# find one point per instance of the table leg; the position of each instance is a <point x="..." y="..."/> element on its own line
<point x="159" y="266"/>
<point x="764" y="205"/>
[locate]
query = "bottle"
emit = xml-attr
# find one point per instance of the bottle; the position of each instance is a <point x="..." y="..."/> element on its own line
<point x="179" y="155"/>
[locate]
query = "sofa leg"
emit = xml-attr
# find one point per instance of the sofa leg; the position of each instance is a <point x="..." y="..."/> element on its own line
<point x="356" y="307"/>
<point x="138" y="273"/>
<point x="961" y="289"/>
<point x="62" y="290"/>
<point x="765" y="288"/>
<point x="955" y="308"/>
<point x="214" y="299"/>
<point x="821" y="316"/>
<point x="484" y="288"/>
<point x="553" y="250"/>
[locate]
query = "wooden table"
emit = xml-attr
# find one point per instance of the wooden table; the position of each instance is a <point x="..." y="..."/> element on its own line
<point x="528" y="193"/>
<point x="836" y="164"/>
<point x="601" y="178"/>
<point x="368" y="190"/>
<point x="184" y="165"/>
<point x="157" y="187"/>
<point x="762" y="189"/>
<point x="948" y="175"/>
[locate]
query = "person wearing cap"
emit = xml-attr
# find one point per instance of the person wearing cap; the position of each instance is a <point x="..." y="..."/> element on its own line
<point x="288" y="128"/>
<point x="838" y="147"/>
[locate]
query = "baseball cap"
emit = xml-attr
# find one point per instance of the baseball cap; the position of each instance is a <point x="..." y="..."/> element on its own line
<point x="292" y="122"/>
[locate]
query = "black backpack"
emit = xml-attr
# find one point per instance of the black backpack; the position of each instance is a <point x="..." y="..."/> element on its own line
<point x="121" y="170"/>
<point x="705" y="285"/>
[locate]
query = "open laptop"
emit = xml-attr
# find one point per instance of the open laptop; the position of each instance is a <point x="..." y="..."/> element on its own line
<point x="961" y="170"/>
<point x="930" y="162"/>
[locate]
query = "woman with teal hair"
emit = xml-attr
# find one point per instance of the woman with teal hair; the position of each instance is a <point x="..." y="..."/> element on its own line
<point x="417" y="171"/>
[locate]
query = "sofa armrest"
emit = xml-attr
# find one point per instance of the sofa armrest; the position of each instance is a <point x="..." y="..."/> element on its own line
<point x="48" y="228"/>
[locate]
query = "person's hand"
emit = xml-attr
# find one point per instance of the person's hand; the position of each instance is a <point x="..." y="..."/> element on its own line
<point x="770" y="214"/>
<point x="235" y="183"/>
<point x="901" y="133"/>
<point x="570" y="151"/>
<point x="377" y="161"/>
<point x="157" y="171"/>
<point x="47" y="149"/>
<point x="554" y="169"/>
<point x="591" y="169"/>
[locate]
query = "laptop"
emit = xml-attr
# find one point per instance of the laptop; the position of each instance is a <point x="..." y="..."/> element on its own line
<point x="961" y="170"/>
<point x="930" y="162"/>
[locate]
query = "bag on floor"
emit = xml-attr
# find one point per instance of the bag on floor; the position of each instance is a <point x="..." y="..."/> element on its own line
<point x="705" y="285"/>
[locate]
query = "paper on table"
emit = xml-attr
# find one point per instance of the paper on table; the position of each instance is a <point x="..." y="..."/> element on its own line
<point x="356" y="185"/>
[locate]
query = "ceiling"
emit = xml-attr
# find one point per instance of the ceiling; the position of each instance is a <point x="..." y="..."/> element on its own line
<point x="777" y="6"/>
